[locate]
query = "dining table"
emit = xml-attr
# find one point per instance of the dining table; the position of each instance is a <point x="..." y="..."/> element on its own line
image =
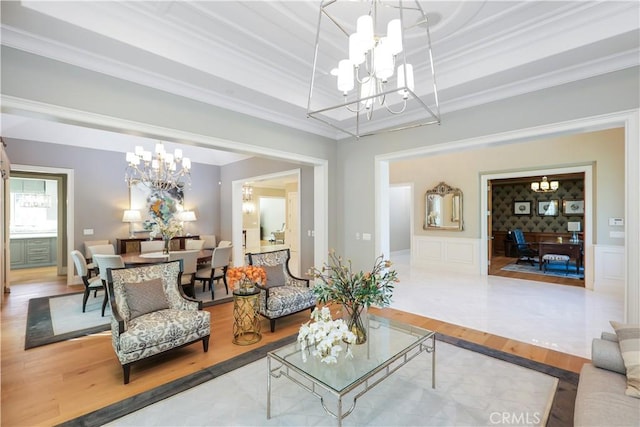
<point x="133" y="259"/>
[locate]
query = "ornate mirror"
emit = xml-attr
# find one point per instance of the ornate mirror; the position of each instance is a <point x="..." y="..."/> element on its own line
<point x="443" y="208"/>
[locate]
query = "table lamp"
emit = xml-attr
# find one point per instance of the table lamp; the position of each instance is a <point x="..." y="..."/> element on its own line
<point x="574" y="226"/>
<point x="131" y="216"/>
<point x="187" y="216"/>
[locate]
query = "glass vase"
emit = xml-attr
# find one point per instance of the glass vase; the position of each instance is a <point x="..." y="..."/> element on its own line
<point x="167" y="242"/>
<point x="356" y="318"/>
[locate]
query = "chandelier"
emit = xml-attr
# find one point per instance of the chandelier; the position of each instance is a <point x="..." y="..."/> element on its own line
<point x="383" y="63"/>
<point x="159" y="170"/>
<point x="544" y="186"/>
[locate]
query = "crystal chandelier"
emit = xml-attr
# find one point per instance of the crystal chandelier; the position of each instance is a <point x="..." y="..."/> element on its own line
<point x="544" y="186"/>
<point x="386" y="62"/>
<point x="247" y="199"/>
<point x="159" y="170"/>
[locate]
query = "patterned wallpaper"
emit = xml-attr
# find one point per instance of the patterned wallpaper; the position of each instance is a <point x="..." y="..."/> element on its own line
<point x="503" y="218"/>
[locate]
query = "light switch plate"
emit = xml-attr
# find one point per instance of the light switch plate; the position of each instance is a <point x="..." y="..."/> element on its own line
<point x="616" y="221"/>
<point x="366" y="236"/>
<point x="88" y="231"/>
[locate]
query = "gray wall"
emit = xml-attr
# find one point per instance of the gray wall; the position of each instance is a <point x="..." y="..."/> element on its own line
<point x="257" y="167"/>
<point x="101" y="193"/>
<point x="613" y="92"/>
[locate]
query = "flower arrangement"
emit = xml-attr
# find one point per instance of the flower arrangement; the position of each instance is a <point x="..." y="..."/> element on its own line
<point x="323" y="337"/>
<point x="338" y="283"/>
<point x="167" y="230"/>
<point x="246" y="275"/>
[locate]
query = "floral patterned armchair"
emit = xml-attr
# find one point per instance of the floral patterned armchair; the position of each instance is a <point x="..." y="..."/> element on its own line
<point x="283" y="294"/>
<point x="151" y="314"/>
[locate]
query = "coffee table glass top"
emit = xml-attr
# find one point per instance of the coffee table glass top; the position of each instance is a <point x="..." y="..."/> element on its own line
<point x="386" y="340"/>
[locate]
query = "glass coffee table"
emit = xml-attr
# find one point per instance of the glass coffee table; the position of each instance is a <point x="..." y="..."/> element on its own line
<point x="390" y="345"/>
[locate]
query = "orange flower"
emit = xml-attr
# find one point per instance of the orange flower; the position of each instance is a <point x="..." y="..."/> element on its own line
<point x="251" y="272"/>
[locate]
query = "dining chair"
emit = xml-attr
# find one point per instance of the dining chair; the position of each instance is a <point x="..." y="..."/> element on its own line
<point x="210" y="241"/>
<point x="90" y="283"/>
<point x="219" y="261"/>
<point x="105" y="262"/>
<point x="87" y="252"/>
<point x="194" y="244"/>
<point x="103" y="249"/>
<point x="224" y="243"/>
<point x="147" y="246"/>
<point x="189" y="269"/>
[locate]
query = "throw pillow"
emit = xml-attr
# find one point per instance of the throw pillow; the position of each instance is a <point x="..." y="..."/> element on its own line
<point x="629" y="341"/>
<point x="145" y="297"/>
<point x="275" y="275"/>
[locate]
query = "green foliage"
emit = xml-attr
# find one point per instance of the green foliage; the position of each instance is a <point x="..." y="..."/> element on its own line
<point x="338" y="283"/>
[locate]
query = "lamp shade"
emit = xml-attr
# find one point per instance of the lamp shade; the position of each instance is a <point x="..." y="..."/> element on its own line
<point x="131" y="216"/>
<point x="573" y="226"/>
<point x="187" y="216"/>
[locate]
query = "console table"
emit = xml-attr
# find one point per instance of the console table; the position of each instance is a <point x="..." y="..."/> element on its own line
<point x="573" y="249"/>
<point x="129" y="245"/>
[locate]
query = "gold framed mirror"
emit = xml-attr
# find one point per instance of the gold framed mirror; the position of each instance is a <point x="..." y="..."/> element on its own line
<point x="443" y="208"/>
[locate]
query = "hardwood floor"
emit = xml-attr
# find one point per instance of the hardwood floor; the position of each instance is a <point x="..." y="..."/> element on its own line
<point x="54" y="383"/>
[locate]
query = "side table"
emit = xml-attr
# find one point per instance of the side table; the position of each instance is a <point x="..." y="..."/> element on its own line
<point x="246" y="325"/>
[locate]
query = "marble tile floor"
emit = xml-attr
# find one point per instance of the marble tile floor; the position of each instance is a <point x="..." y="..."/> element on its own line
<point x="558" y="317"/>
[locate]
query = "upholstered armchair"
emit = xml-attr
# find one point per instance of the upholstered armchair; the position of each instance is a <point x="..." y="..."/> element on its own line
<point x="283" y="294"/>
<point x="525" y="251"/>
<point x="151" y="314"/>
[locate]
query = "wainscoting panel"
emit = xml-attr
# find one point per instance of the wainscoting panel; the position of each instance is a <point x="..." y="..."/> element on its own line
<point x="609" y="268"/>
<point x="447" y="253"/>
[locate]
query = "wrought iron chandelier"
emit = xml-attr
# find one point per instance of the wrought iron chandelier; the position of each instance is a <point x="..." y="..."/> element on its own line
<point x="386" y="67"/>
<point x="545" y="186"/>
<point x="159" y="170"/>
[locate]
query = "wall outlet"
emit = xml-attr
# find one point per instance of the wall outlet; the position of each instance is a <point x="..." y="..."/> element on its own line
<point x="357" y="236"/>
<point x="87" y="232"/>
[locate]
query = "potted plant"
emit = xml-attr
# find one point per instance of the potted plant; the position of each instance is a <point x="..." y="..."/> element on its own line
<point x="356" y="291"/>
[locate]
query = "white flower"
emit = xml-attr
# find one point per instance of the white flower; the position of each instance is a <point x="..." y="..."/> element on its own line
<point x="323" y="337"/>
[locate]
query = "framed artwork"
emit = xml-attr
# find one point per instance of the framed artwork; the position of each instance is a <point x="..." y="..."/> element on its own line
<point x="141" y="197"/>
<point x="548" y="208"/>
<point x="573" y="207"/>
<point x="522" y="207"/>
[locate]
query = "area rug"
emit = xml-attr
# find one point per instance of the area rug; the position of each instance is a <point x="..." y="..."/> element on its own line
<point x="60" y="317"/>
<point x="474" y="386"/>
<point x="555" y="269"/>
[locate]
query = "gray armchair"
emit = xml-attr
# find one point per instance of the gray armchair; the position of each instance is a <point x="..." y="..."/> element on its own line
<point x="283" y="294"/>
<point x="151" y="314"/>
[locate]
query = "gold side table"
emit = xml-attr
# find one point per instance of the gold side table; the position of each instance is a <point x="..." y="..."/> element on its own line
<point x="246" y="325"/>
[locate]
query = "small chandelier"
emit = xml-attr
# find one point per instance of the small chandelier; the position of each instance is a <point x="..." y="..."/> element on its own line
<point x="544" y="186"/>
<point x="160" y="170"/>
<point x="247" y="193"/>
<point x="247" y="200"/>
<point x="386" y="62"/>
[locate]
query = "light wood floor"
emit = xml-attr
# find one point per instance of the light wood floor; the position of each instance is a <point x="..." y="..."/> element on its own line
<point x="54" y="383"/>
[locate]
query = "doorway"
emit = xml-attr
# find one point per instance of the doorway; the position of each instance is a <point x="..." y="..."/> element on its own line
<point x="514" y="204"/>
<point x="579" y="175"/>
<point x="37" y="218"/>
